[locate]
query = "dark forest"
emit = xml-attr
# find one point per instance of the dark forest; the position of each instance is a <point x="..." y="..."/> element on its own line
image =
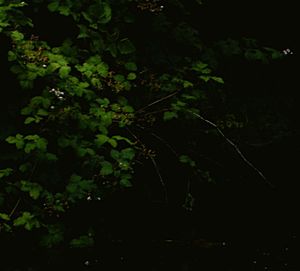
<point x="149" y="135"/>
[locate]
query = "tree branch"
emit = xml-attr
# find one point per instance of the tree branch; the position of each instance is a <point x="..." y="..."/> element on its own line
<point x="160" y="178"/>
<point x="234" y="146"/>
<point x="154" y="164"/>
<point x="15" y="207"/>
<point x="158" y="101"/>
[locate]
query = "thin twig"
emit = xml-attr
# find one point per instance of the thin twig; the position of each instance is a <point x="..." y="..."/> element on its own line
<point x="15" y="207"/>
<point x="160" y="178"/>
<point x="33" y="170"/>
<point x="234" y="146"/>
<point x="156" y="112"/>
<point x="158" y="101"/>
<point x="160" y="139"/>
<point x="154" y="164"/>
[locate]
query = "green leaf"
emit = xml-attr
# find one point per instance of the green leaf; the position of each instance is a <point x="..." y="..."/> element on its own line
<point x="105" y="17"/>
<point x="112" y="48"/>
<point x="125" y="47"/>
<point x="29" y="147"/>
<point x="18" y="140"/>
<point x="41" y="144"/>
<point x="29" y="120"/>
<point x="42" y="112"/>
<point x="27" y="220"/>
<point x="53" y="6"/>
<point x="11" y="56"/>
<point x="106" y="169"/>
<point x="34" y="189"/>
<point x="124" y="165"/>
<point x="53" y="66"/>
<point x="51" y="156"/>
<point x="4" y="217"/>
<point x="118" y="137"/>
<point x="25" y="167"/>
<point x="87" y="17"/>
<point x="16" y="36"/>
<point x="82" y="242"/>
<point x="102" y="69"/>
<point x="113" y="142"/>
<point x="255" y="54"/>
<point x="64" y="142"/>
<point x="218" y="79"/>
<point x="168" y="115"/>
<point x="81" y="152"/>
<point x="64" y="71"/>
<point x="115" y="154"/>
<point x="125" y="182"/>
<point x="5" y="172"/>
<point x="205" y="78"/>
<point x="26" y="84"/>
<point x="78" y="188"/>
<point x="131" y="76"/>
<point x="96" y="82"/>
<point x="128" y="153"/>
<point x="83" y="32"/>
<point x="54" y="236"/>
<point x="64" y="10"/>
<point x="187" y="84"/>
<point x="199" y="66"/>
<point x="131" y="66"/>
<point x="275" y="54"/>
<point x="187" y="160"/>
<point x="101" y="139"/>
<point x="119" y="78"/>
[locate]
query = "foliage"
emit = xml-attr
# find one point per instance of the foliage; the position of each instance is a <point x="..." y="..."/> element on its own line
<point x="83" y="100"/>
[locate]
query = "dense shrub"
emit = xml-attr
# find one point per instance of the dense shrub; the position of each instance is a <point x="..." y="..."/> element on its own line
<point x="94" y="89"/>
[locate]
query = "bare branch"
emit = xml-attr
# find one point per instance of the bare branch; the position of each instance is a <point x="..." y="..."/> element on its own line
<point x="160" y="178"/>
<point x="160" y="139"/>
<point x="15" y="207"/>
<point x="154" y="164"/>
<point x="234" y="146"/>
<point x="158" y="101"/>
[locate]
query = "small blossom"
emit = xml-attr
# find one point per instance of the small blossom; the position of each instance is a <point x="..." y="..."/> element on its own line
<point x="287" y="51"/>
